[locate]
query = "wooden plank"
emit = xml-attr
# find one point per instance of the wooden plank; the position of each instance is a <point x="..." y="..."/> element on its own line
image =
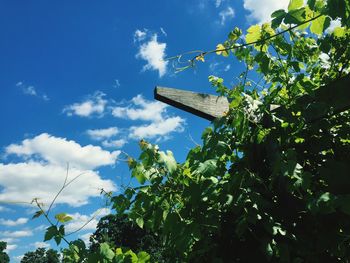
<point x="203" y="105"/>
<point x="331" y="99"/>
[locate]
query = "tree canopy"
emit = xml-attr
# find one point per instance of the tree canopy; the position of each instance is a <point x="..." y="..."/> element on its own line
<point x="4" y="258"/>
<point x="41" y="255"/>
<point x="270" y="182"/>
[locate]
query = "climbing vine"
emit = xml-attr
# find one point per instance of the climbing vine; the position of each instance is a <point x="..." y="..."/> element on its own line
<point x="270" y="181"/>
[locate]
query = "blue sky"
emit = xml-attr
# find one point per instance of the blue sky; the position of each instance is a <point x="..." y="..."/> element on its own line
<point x="77" y="87"/>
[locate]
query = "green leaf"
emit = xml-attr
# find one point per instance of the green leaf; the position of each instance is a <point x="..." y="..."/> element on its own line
<point x="138" y="173"/>
<point x="220" y="50"/>
<point x="207" y="168"/>
<point x="339" y="32"/>
<point x="63" y="218"/>
<point x="319" y="25"/>
<point x="106" y="252"/>
<point x="295" y="4"/>
<point x="169" y="161"/>
<point x="50" y="233"/>
<point x="295" y="16"/>
<point x="254" y="34"/>
<point x="38" y="214"/>
<point x="143" y="257"/>
<point x="140" y="222"/>
<point x="277" y="18"/>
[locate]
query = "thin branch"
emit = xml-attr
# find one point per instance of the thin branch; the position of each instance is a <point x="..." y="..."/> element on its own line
<point x="58" y="193"/>
<point x="204" y="53"/>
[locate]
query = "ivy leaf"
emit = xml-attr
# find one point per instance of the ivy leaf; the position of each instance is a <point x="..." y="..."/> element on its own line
<point x="50" y="233"/>
<point x="295" y="4"/>
<point x="319" y="25"/>
<point x="63" y="218"/>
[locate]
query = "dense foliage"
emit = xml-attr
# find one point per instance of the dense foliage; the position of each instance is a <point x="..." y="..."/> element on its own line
<point x="270" y="182"/>
<point x="41" y="255"/>
<point x="4" y="258"/>
<point x="119" y="231"/>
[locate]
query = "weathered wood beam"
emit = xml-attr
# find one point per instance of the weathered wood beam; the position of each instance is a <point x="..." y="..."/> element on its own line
<point x="203" y="105"/>
<point x="334" y="98"/>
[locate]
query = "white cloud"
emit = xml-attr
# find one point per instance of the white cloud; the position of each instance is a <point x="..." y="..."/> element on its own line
<point x="93" y="105"/>
<point x="160" y="124"/>
<point x="173" y="124"/>
<point x="141" y="109"/>
<point x="16" y="234"/>
<point x="43" y="169"/>
<point x="261" y="10"/>
<point x="140" y="35"/>
<point x="91" y="220"/>
<point x="8" y="222"/>
<point x="10" y="247"/>
<point x="334" y="24"/>
<point x="100" y="134"/>
<point x="226" y="14"/>
<point x="154" y="53"/>
<point x="114" y="143"/>
<point x="60" y="151"/>
<point x="41" y="244"/>
<point x="25" y="181"/>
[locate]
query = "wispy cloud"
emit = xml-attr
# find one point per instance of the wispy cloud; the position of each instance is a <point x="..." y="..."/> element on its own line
<point x="93" y="105"/>
<point x="226" y="14"/>
<point x="100" y="134"/>
<point x="261" y="10"/>
<point x="152" y="51"/>
<point x="218" y="3"/>
<point x="16" y="234"/>
<point x="163" y="31"/>
<point x="217" y="67"/>
<point x="140" y="35"/>
<point x="31" y="91"/>
<point x="114" y="143"/>
<point x="116" y="83"/>
<point x="40" y="244"/>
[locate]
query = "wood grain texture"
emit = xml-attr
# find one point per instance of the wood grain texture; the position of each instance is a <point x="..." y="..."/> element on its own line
<point x="203" y="105"/>
<point x="325" y="101"/>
